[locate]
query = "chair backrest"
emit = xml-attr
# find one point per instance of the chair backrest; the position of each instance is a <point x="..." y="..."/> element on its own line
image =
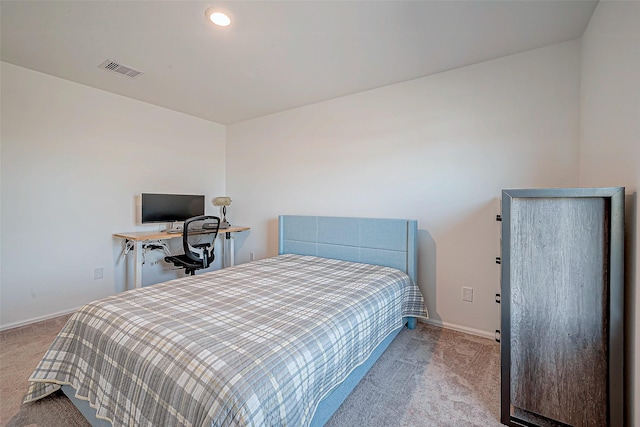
<point x="199" y="237"/>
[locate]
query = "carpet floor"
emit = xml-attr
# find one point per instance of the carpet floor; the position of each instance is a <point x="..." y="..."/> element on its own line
<point x="427" y="377"/>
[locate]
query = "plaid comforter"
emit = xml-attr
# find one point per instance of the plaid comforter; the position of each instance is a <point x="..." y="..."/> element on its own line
<point x="259" y="344"/>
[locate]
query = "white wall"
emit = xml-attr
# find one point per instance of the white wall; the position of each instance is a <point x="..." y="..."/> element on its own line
<point x="437" y="149"/>
<point x="73" y="160"/>
<point x="610" y="144"/>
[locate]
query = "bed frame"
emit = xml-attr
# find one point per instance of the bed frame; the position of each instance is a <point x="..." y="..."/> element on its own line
<point x="386" y="242"/>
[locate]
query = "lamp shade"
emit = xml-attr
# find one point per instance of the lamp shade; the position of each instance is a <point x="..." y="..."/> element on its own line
<point x="222" y="201"/>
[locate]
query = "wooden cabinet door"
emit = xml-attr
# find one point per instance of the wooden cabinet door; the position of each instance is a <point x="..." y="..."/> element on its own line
<point x="560" y="249"/>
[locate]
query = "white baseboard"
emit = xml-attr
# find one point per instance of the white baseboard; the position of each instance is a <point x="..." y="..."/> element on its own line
<point x="459" y="328"/>
<point x="37" y="319"/>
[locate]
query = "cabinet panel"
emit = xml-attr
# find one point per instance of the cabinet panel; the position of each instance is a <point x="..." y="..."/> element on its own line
<point x="557" y="300"/>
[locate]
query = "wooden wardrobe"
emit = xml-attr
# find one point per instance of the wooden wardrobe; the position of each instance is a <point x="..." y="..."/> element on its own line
<point x="562" y="307"/>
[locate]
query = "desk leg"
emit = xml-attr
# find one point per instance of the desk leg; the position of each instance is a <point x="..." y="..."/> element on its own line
<point x="223" y="259"/>
<point x="231" y="250"/>
<point x="227" y="251"/>
<point x="137" y="264"/>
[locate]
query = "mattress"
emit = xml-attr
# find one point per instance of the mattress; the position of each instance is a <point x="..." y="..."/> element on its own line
<point x="257" y="344"/>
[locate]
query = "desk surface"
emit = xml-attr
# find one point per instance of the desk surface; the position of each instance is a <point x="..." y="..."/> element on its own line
<point x="162" y="235"/>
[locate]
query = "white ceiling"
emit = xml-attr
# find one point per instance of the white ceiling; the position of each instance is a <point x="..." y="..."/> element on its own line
<point x="276" y="55"/>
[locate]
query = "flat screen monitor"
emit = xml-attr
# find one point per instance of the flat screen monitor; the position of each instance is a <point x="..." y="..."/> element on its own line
<point x="170" y="207"/>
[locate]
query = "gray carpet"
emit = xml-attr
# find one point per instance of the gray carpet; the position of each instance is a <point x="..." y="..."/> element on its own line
<point x="427" y="377"/>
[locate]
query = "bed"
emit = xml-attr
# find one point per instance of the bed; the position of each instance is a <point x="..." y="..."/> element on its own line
<point x="280" y="341"/>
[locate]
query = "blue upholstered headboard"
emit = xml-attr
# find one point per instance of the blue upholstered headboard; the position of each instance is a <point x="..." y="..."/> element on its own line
<point x="387" y="242"/>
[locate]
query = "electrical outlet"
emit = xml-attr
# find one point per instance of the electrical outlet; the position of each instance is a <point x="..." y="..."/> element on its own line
<point x="98" y="273"/>
<point x="252" y="256"/>
<point x="467" y="294"/>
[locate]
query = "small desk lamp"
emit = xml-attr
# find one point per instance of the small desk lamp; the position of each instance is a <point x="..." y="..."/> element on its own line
<point x="224" y="202"/>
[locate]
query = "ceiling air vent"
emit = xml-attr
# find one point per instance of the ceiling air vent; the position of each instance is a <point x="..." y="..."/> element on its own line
<point x="113" y="66"/>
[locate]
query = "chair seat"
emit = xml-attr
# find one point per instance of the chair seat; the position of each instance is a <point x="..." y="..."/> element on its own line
<point x="185" y="262"/>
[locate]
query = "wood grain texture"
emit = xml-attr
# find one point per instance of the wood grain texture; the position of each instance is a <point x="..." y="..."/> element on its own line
<point x="140" y="236"/>
<point x="559" y="299"/>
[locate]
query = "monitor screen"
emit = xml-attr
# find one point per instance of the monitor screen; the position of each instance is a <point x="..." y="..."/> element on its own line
<point x="170" y="207"/>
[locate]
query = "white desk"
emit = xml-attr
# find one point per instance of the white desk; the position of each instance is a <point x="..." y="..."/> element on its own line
<point x="140" y="237"/>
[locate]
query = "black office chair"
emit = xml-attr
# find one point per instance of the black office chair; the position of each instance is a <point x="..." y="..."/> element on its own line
<point x="198" y="239"/>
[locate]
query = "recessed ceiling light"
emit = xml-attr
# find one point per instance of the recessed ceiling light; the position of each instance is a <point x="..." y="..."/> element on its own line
<point x="217" y="17"/>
